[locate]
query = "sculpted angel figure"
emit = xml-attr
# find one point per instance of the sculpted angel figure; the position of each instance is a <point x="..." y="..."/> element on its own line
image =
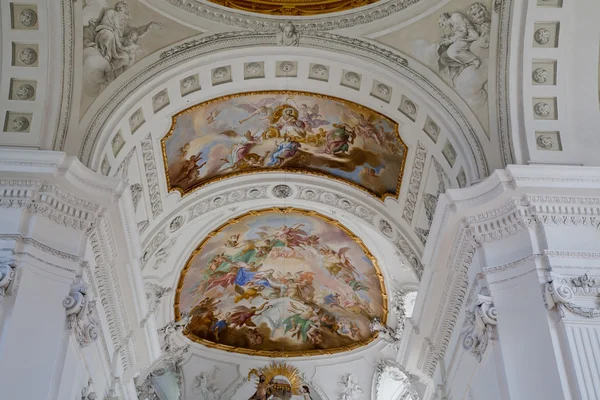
<point x="287" y="35"/>
<point x="204" y="385"/>
<point x="350" y="388"/>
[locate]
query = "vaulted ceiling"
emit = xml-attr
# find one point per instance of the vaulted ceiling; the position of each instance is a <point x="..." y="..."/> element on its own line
<point x="363" y="112"/>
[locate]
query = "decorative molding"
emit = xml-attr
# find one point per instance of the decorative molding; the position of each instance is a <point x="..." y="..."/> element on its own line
<point x="263" y="23"/>
<point x="81" y="315"/>
<point x="151" y="176"/>
<point x="414" y="183"/>
<point x="40" y="246"/>
<point x="391" y="336"/>
<point x="511" y="265"/>
<point x="397" y="373"/>
<point x="154" y="294"/>
<point x="479" y="326"/>
<point x="411" y="256"/>
<point x="586" y="255"/>
<point x="67" y="74"/>
<point x="560" y="292"/>
<point x="505" y="10"/>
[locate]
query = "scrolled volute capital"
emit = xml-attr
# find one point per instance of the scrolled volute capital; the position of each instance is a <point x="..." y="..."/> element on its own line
<point x="479" y="325"/>
<point x="568" y="294"/>
<point x="81" y="317"/>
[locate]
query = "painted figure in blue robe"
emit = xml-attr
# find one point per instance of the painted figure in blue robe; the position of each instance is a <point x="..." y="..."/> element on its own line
<point x="286" y="149"/>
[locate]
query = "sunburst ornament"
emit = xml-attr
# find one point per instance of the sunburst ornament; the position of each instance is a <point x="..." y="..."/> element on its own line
<point x="280" y="370"/>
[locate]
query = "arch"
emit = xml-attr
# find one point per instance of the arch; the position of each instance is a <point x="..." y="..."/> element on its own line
<point x="388" y="66"/>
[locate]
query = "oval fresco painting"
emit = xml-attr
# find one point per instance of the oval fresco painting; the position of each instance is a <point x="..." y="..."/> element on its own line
<point x="284" y="131"/>
<point x="281" y="282"/>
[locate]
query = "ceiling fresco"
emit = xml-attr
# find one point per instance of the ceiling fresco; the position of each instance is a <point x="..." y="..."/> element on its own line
<point x="281" y="282"/>
<point x="293" y="7"/>
<point x="284" y="131"/>
<point x="454" y="42"/>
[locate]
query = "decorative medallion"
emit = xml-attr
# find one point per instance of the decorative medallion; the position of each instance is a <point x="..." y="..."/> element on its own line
<point x="281" y="282"/>
<point x="282" y="191"/>
<point x="28" y="56"/>
<point x="284" y="131"/>
<point x="293" y="7"/>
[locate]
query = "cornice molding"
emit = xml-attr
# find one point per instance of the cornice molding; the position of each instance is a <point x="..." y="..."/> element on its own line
<point x="326" y="22"/>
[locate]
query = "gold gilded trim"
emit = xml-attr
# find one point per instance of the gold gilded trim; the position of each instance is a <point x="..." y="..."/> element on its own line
<point x="267" y="353"/>
<point x="284" y="169"/>
<point x="293" y="7"/>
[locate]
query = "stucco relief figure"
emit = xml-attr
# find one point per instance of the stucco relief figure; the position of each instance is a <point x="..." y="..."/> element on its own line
<point x="205" y="386"/>
<point x="287" y="35"/>
<point x="461" y="55"/>
<point x="110" y="45"/>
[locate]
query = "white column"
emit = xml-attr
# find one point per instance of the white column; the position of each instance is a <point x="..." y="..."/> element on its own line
<point x="71" y="309"/>
<point x="33" y="333"/>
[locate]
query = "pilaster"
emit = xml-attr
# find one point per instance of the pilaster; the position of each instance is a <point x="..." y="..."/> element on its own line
<point x="65" y="246"/>
<point x="507" y="262"/>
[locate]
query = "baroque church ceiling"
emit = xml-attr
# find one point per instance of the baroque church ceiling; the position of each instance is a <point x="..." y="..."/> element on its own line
<point x="328" y="127"/>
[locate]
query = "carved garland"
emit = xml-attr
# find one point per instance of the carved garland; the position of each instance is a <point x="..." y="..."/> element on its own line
<point x="560" y="292"/>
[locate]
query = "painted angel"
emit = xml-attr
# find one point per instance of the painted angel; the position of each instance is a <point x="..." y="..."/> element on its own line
<point x="367" y="127"/>
<point x="239" y="151"/>
<point x="262" y="109"/>
<point x="210" y="118"/>
<point x="310" y="116"/>
<point x="242" y="315"/>
<point x="337" y="261"/>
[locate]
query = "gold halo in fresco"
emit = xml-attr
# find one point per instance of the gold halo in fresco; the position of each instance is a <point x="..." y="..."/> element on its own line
<point x="293" y="8"/>
<point x="281" y="282"/>
<point x="283" y="131"/>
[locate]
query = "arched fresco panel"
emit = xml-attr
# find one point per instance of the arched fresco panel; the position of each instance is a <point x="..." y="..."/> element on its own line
<point x="284" y="131"/>
<point x="281" y="282"/>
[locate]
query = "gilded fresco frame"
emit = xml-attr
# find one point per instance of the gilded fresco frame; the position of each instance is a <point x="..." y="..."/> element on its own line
<point x="284" y="169"/>
<point x="268" y="353"/>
